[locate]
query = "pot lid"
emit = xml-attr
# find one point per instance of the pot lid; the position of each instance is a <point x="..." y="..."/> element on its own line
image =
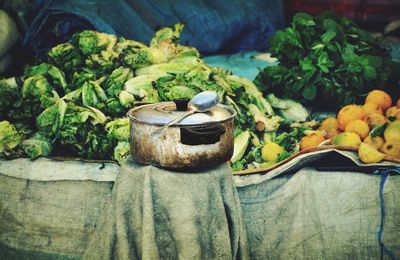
<point x="164" y="112"/>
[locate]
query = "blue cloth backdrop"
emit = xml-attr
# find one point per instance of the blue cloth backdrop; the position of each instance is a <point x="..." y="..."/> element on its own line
<point x="212" y="26"/>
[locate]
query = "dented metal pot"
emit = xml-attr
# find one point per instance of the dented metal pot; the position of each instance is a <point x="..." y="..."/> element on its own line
<point x="200" y="140"/>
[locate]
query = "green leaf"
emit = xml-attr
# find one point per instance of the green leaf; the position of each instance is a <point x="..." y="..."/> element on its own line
<point x="323" y="68"/>
<point x="369" y="73"/>
<point x="318" y="46"/>
<point x="310" y="92"/>
<point x="374" y="61"/>
<point x="378" y="130"/>
<point x="328" y="36"/>
<point x="306" y="64"/>
<point x="303" y="19"/>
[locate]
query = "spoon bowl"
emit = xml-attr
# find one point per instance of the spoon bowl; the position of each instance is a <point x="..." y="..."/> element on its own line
<point x="201" y="102"/>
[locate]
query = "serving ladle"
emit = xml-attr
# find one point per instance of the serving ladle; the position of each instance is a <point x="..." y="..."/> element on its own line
<point x="201" y="102"/>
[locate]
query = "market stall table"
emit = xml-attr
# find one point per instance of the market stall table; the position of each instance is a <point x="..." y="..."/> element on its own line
<point x="305" y="213"/>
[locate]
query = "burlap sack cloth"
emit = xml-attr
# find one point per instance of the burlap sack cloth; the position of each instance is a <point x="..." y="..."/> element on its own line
<point x="161" y="214"/>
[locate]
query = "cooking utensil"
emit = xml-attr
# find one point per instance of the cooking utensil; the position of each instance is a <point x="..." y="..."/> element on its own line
<point x="201" y="102"/>
<point x="200" y="140"/>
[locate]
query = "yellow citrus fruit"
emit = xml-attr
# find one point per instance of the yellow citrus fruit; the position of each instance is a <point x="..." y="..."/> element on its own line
<point x="392" y="131"/>
<point x="271" y="151"/>
<point x="391" y="111"/>
<point x="375" y="142"/>
<point x="309" y="141"/>
<point x="349" y="139"/>
<point x="379" y="97"/>
<point x="349" y="113"/>
<point x="369" y="154"/>
<point x="371" y="108"/>
<point x="359" y="127"/>
<point x="375" y="120"/>
<point x="392" y="148"/>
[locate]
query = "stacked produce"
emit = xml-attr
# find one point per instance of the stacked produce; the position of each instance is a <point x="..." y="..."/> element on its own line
<point x="373" y="128"/>
<point x="75" y="102"/>
<point x="326" y="62"/>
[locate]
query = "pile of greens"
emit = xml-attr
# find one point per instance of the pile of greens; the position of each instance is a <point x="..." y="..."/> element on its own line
<point x="325" y="62"/>
<point x="75" y="103"/>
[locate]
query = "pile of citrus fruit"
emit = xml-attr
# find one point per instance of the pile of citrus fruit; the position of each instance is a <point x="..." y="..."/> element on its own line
<point x="372" y="128"/>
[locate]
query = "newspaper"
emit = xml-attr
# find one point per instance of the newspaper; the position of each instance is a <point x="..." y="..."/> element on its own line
<point x="300" y="161"/>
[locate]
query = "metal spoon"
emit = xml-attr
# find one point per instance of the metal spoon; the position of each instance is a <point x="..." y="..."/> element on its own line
<point x="202" y="102"/>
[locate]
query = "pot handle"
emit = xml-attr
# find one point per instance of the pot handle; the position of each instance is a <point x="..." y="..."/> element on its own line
<point x="181" y="104"/>
<point x="202" y="134"/>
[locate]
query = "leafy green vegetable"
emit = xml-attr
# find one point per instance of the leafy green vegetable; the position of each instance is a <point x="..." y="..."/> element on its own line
<point x="89" y="94"/>
<point x="102" y="63"/>
<point x="93" y="94"/>
<point x="167" y="41"/>
<point x="78" y="100"/>
<point x="52" y="118"/>
<point x="114" y="83"/>
<point x="288" y="109"/>
<point x="65" y="56"/>
<point x="289" y="140"/>
<point x="114" y="108"/>
<point x="140" y="86"/>
<point x="53" y="74"/>
<point x="9" y="93"/>
<point x="36" y="146"/>
<point x="83" y="131"/>
<point x="37" y="94"/>
<point x="122" y="151"/>
<point x="118" y="129"/>
<point x="90" y="42"/>
<point x="325" y="61"/>
<point x="180" y="92"/>
<point x="164" y="68"/>
<point x="138" y="58"/>
<point x="263" y="123"/>
<point x="10" y="138"/>
<point x="127" y="100"/>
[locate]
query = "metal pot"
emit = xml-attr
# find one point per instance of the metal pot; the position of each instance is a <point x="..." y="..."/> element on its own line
<point x="201" y="140"/>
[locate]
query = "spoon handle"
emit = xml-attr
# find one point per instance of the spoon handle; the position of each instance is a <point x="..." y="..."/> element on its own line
<point x="161" y="131"/>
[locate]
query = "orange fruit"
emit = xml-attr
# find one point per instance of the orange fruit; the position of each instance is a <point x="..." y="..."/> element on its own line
<point x="331" y="133"/>
<point x="371" y="108"/>
<point x="379" y="97"/>
<point x="391" y="111"/>
<point x="398" y="103"/>
<point x="359" y="127"/>
<point x="375" y="120"/>
<point x="349" y="113"/>
<point x="397" y="114"/>
<point x="312" y="140"/>
<point x="329" y="123"/>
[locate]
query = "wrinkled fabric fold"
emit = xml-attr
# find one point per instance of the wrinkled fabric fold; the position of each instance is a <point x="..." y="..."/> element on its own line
<point x="161" y="214"/>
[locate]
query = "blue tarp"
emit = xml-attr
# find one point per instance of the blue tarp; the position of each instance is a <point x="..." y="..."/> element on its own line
<point x="212" y="26"/>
